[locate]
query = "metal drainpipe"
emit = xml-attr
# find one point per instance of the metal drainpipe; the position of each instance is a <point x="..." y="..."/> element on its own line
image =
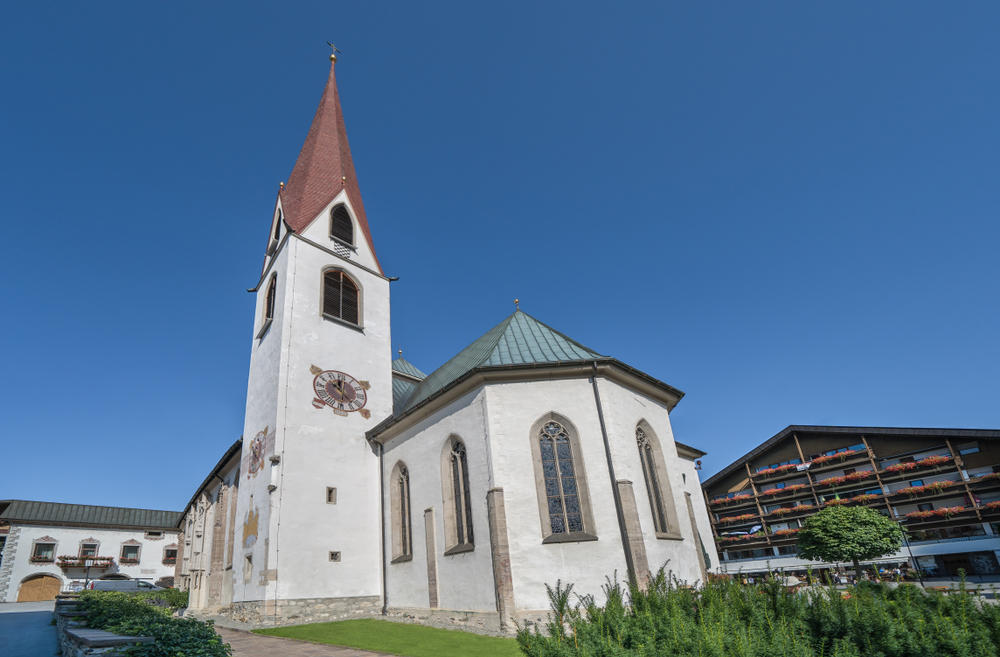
<point x="381" y="506"/>
<point x="614" y="482"/>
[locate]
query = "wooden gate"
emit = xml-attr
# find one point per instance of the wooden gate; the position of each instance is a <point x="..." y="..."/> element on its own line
<point x="39" y="588"/>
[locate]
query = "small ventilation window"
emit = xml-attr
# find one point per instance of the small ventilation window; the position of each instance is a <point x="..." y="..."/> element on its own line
<point x="331" y="495"/>
<point x="335" y="556"/>
<point x="340" y="296"/>
<point x="341" y="226"/>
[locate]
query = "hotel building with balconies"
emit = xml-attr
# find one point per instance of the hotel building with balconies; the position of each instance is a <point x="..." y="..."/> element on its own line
<point x="941" y="485"/>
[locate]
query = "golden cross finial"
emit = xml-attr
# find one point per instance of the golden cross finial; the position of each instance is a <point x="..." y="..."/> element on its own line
<point x="517" y="303"/>
<point x="333" y="55"/>
<point x="400" y="352"/>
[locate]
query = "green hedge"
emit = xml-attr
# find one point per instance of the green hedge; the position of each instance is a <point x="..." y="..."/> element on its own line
<point x="150" y="614"/>
<point x="727" y="619"/>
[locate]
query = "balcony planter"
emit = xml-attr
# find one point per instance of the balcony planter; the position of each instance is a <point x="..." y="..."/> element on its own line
<point x="865" y="497"/>
<point x="744" y="516"/>
<point x="795" y="509"/>
<point x="170" y="562"/>
<point x="929" y="462"/>
<point x="829" y="458"/>
<point x="41" y="560"/>
<point x="846" y="479"/>
<point x="778" y="491"/>
<point x="730" y="500"/>
<point x="836" y="502"/>
<point x="785" y="532"/>
<point x="931" y="488"/>
<point x="741" y="539"/>
<point x="781" y="469"/>
<point x="128" y="562"/>
<point x="944" y="512"/>
<point x="72" y="561"/>
<point x="990" y="476"/>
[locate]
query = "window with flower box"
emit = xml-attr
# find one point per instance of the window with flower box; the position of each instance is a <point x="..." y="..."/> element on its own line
<point x="88" y="549"/>
<point x="130" y="554"/>
<point x="43" y="551"/>
<point x="169" y="555"/>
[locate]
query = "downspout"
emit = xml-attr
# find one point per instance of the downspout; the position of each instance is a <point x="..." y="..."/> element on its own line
<point x="614" y="482"/>
<point x="381" y="506"/>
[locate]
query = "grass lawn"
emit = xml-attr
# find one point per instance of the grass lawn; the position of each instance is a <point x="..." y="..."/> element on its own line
<point x="399" y="639"/>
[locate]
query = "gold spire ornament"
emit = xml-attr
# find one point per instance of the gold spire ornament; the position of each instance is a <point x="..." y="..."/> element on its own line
<point x="333" y="55"/>
<point x="517" y="304"/>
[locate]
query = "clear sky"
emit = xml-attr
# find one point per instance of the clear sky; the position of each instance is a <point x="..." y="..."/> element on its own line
<point x="787" y="210"/>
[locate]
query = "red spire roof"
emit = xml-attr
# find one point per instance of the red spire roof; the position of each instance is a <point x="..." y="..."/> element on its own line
<point x="324" y="168"/>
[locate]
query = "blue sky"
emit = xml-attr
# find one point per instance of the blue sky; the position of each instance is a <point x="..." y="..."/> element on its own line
<point x="787" y="210"/>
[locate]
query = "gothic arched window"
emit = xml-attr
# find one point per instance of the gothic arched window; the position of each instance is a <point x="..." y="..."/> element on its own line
<point x="341" y="298"/>
<point x="654" y="473"/>
<point x="341" y="226"/>
<point x="402" y="535"/>
<point x="457" y="498"/>
<point x="564" y="504"/>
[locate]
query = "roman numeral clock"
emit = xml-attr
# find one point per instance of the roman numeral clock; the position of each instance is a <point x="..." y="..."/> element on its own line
<point x="340" y="391"/>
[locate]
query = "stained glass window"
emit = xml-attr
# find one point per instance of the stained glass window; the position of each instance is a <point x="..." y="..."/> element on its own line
<point x="403" y="482"/>
<point x="462" y="508"/>
<point x="562" y="495"/>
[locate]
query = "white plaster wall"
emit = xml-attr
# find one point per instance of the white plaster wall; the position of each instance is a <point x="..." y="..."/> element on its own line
<point x="316" y="447"/>
<point x="623" y="410"/>
<point x="513" y="409"/>
<point x="465" y="581"/>
<point x="149" y="568"/>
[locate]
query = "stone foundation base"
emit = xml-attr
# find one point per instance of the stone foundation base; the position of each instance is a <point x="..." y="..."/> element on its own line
<point x="267" y="613"/>
<point x="480" y="622"/>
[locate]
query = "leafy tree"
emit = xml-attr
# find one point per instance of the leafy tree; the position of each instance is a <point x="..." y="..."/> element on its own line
<point x="849" y="533"/>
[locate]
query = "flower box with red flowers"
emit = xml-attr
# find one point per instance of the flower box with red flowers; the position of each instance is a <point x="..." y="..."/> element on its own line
<point x="766" y="472"/>
<point x="865" y="497"/>
<point x="928" y="462"/>
<point x="836" y="502"/>
<point x="943" y="512"/>
<point x="778" y="491"/>
<point x="727" y="500"/>
<point x="75" y="561"/>
<point x="742" y="516"/>
<point x="992" y="506"/>
<point x="989" y="476"/>
<point x="130" y="562"/>
<point x="742" y="537"/>
<point x="785" y="532"/>
<point x="42" y="560"/>
<point x="933" y="487"/>
<point x="846" y="479"/>
<point x="170" y="560"/>
<point x="827" y="458"/>
<point x="794" y="509"/>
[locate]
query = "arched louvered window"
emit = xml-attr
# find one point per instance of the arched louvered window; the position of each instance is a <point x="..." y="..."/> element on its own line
<point x="341" y="298"/>
<point x="402" y="538"/>
<point x="654" y="473"/>
<point x="269" y="299"/>
<point x="277" y="226"/>
<point x="341" y="226"/>
<point x="457" y="498"/>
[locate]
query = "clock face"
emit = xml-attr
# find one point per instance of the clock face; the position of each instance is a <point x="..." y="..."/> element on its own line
<point x="341" y="392"/>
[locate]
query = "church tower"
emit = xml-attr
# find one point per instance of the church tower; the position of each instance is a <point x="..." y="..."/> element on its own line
<point x="308" y="516"/>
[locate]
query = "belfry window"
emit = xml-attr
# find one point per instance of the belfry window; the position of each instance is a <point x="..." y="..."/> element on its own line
<point x="341" y="226"/>
<point x="457" y="498"/>
<point x="269" y="299"/>
<point x="340" y="297"/>
<point x="402" y="538"/>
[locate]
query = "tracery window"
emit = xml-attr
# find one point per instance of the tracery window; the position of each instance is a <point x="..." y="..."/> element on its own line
<point x="561" y="493"/>
<point x="654" y="473"/>
<point x="341" y="226"/>
<point x="652" y="483"/>
<point x="402" y="534"/>
<point x="457" y="497"/>
<point x="340" y="296"/>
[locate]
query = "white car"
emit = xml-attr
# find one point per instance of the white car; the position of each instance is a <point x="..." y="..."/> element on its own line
<point x="127" y="585"/>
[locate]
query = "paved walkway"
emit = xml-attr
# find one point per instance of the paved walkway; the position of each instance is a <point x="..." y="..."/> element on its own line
<point x="25" y="630"/>
<point x="256" y="645"/>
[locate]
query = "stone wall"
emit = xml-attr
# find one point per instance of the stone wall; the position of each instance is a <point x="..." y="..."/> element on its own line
<point x="480" y="622"/>
<point x="303" y="610"/>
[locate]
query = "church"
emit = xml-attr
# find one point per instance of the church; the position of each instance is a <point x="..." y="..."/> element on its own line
<point x="363" y="486"/>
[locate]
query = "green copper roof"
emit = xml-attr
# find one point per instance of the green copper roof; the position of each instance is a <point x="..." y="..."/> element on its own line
<point x="401" y="391"/>
<point x="404" y="366"/>
<point x="83" y="514"/>
<point x="518" y="340"/>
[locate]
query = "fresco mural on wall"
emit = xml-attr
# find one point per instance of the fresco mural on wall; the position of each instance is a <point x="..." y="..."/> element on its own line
<point x="250" y="528"/>
<point x="261" y="446"/>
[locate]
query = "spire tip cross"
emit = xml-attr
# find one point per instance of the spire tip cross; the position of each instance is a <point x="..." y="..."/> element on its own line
<point x="335" y="49"/>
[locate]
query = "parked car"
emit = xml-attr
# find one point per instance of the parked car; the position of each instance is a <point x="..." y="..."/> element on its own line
<point x="127" y="585"/>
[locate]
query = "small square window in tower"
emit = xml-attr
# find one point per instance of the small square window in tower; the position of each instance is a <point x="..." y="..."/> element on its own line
<point x="331" y="495"/>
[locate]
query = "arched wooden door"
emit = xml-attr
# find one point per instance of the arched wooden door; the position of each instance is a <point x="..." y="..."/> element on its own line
<point x="39" y="588"/>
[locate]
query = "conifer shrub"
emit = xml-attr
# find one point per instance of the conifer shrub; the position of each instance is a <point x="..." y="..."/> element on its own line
<point x="729" y="619"/>
<point x="151" y="614"/>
